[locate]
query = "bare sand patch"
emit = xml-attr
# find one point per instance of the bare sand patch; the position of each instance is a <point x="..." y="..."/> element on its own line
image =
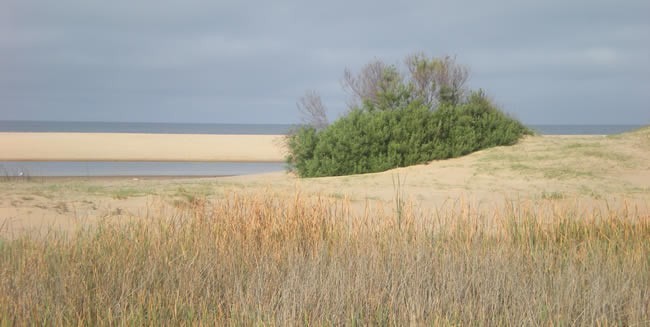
<point x="140" y="147"/>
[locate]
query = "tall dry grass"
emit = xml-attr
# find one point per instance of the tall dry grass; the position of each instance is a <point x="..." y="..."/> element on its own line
<point x="260" y="259"/>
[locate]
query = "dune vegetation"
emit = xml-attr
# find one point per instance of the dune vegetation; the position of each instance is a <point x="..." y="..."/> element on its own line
<point x="266" y="259"/>
<point x="399" y="119"/>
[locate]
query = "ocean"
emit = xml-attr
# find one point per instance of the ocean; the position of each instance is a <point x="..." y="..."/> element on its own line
<point x="93" y="168"/>
<point x="155" y="128"/>
<point x="256" y="129"/>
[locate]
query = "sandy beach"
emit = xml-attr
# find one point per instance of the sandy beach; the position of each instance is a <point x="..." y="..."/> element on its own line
<point x="140" y="147"/>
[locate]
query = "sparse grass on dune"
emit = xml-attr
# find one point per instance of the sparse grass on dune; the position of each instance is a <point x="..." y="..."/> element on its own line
<point x="261" y="259"/>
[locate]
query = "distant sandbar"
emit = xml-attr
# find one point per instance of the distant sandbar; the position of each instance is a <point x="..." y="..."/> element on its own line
<point x="140" y="147"/>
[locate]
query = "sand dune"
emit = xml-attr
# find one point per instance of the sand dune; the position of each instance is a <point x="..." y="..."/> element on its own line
<point x="140" y="147"/>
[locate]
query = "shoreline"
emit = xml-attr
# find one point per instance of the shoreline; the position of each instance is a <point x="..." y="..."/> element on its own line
<point x="100" y="178"/>
<point x="21" y="146"/>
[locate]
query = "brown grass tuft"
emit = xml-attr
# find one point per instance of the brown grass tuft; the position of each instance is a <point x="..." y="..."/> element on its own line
<point x="261" y="259"/>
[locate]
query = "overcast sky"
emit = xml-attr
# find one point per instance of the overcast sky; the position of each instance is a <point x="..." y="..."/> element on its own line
<point x="546" y="62"/>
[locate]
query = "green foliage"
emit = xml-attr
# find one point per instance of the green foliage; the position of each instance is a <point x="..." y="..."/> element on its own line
<point x="399" y="128"/>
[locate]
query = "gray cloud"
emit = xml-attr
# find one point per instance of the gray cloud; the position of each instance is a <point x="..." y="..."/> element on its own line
<point x="206" y="61"/>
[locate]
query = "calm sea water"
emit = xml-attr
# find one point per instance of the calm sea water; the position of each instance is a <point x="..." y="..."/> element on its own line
<point x="134" y="168"/>
<point x="94" y="168"/>
<point x="257" y="129"/>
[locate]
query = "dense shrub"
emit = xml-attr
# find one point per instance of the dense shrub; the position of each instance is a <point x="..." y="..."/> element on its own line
<point x="398" y="128"/>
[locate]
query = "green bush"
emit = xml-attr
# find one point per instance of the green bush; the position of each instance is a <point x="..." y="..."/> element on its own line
<point x="397" y="129"/>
